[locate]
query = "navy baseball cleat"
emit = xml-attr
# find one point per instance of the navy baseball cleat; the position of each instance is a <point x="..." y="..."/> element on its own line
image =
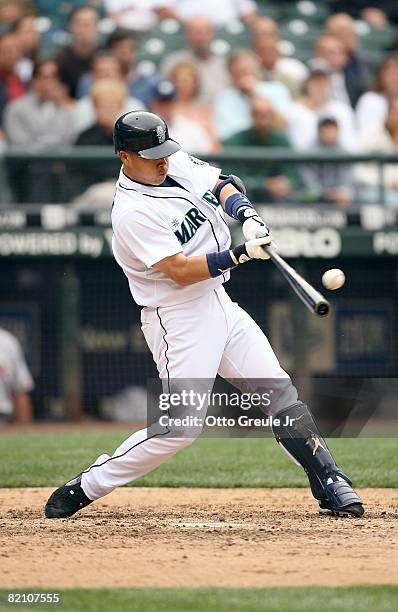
<point x="341" y="498"/>
<point x="67" y="500"/>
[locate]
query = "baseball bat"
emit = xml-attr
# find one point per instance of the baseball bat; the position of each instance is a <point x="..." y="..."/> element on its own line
<point x="306" y="292"/>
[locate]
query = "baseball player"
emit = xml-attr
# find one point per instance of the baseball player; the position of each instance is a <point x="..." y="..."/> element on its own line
<point x="174" y="246"/>
<point x="15" y="381"/>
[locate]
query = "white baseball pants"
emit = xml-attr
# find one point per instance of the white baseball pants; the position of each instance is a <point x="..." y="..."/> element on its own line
<point x="199" y="339"/>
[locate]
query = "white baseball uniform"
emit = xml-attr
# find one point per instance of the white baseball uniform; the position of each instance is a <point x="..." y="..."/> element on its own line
<point x="193" y="332"/>
<point x="14" y="373"/>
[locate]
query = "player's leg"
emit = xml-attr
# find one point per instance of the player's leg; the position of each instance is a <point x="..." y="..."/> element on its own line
<point x="249" y="357"/>
<point x="185" y="341"/>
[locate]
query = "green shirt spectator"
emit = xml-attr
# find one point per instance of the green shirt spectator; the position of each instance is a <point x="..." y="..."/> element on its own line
<point x="278" y="179"/>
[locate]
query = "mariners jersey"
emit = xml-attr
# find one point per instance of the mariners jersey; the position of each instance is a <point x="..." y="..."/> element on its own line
<point x="153" y="222"/>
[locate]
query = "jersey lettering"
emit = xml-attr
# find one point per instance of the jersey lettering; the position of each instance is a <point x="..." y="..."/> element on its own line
<point x="210" y="198"/>
<point x="192" y="222"/>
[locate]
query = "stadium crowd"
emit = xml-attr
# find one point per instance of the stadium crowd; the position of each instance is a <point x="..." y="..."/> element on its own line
<point x="69" y="69"/>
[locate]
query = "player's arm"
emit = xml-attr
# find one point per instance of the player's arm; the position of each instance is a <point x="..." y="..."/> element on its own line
<point x="185" y="270"/>
<point x="231" y="193"/>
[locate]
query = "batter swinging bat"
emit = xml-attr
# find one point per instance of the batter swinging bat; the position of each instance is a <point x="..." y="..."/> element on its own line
<point x="306" y="292"/>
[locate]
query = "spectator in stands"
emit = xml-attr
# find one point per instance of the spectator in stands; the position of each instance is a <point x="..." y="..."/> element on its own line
<point x="274" y="66"/>
<point x="75" y="60"/>
<point x="280" y="179"/>
<point x="266" y="27"/>
<point x="316" y="103"/>
<point x="123" y="45"/>
<point x="105" y="66"/>
<point x="199" y="134"/>
<point x="40" y="120"/>
<point x="350" y="78"/>
<point x="29" y="40"/>
<point x="372" y="106"/>
<point x="377" y="14"/>
<point x="199" y="34"/>
<point x="15" y="381"/>
<point x="12" y="10"/>
<point x="109" y="101"/>
<point x="182" y="128"/>
<point x="325" y="181"/>
<point x="43" y="117"/>
<point x="221" y="13"/>
<point x="185" y="130"/>
<point x="232" y="106"/>
<point x="332" y="50"/>
<point x="138" y="15"/>
<point x="358" y="70"/>
<point x="11" y="85"/>
<point x="381" y="138"/>
<point x="60" y="11"/>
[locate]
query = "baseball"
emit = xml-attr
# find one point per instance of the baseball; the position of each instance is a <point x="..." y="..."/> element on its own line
<point x="333" y="279"/>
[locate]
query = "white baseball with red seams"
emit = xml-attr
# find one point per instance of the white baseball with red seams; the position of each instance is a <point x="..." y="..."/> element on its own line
<point x="333" y="279"/>
<point x="194" y="331"/>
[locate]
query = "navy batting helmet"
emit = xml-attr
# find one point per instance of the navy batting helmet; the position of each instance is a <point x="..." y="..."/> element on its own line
<point x="145" y="134"/>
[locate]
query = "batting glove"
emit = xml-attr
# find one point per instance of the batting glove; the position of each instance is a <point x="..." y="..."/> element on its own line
<point x="252" y="249"/>
<point x="253" y="226"/>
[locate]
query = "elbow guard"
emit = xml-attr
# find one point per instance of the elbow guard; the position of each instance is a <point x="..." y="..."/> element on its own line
<point x="232" y="179"/>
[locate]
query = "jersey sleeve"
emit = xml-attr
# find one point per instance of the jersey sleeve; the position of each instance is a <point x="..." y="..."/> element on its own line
<point x="148" y="238"/>
<point x="199" y="176"/>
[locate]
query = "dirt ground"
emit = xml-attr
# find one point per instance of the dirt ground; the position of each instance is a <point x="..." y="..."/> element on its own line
<point x="197" y="537"/>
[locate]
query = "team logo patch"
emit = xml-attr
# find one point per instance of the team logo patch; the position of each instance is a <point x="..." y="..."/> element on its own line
<point x="175" y="223"/>
<point x="161" y="133"/>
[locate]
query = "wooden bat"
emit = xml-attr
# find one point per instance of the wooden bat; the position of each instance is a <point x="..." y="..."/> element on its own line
<point x="306" y="292"/>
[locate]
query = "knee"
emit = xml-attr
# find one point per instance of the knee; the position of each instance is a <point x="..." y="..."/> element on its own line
<point x="282" y="393"/>
<point x="180" y="442"/>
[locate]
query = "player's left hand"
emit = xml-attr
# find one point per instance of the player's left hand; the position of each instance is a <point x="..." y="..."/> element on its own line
<point x="254" y="227"/>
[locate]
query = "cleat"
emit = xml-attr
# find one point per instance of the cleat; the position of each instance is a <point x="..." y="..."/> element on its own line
<point x="67" y="500"/>
<point x="341" y="498"/>
<point x="353" y="510"/>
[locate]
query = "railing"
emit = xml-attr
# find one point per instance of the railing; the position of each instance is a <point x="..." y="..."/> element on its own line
<point x="16" y="164"/>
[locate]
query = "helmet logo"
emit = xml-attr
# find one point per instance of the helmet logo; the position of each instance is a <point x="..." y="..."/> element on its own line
<point x="160" y="133"/>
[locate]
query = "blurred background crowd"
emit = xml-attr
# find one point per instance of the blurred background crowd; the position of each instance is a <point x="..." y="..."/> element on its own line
<point x="303" y="76"/>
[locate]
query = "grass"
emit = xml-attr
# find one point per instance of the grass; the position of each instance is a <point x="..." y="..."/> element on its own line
<point x="308" y="599"/>
<point x="48" y="459"/>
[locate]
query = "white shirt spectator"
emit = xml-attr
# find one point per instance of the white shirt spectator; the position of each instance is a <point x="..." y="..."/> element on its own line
<point x="232" y="107"/>
<point x="38" y="124"/>
<point x="338" y="90"/>
<point x="191" y="135"/>
<point x="292" y="68"/>
<point x="14" y="374"/>
<point x="371" y="110"/>
<point x="137" y="15"/>
<point x="376" y="139"/>
<point x="221" y="12"/>
<point x="213" y="71"/>
<point x="303" y="124"/>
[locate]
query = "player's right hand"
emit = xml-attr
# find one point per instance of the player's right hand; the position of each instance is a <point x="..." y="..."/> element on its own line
<point x="254" y="248"/>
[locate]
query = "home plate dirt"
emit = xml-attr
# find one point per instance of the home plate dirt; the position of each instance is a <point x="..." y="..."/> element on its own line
<point x="197" y="537"/>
